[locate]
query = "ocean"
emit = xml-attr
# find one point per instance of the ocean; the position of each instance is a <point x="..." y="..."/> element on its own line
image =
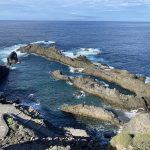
<point x="123" y="45"/>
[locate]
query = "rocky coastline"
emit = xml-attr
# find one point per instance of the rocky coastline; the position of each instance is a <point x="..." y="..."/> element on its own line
<point x="121" y="77"/>
<point x="23" y="126"/>
<point x="111" y="96"/>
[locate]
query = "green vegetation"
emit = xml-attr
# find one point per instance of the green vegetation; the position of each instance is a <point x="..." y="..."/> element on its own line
<point x="122" y="139"/>
<point x="142" y="141"/>
<point x="10" y="121"/>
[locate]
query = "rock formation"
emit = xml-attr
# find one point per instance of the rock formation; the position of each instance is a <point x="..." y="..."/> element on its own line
<point x="91" y="112"/>
<point x="27" y="129"/>
<point x="12" y="58"/>
<point x="111" y="96"/>
<point x="121" y="77"/>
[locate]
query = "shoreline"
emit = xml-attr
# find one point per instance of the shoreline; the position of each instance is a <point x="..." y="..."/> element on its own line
<point x="38" y="124"/>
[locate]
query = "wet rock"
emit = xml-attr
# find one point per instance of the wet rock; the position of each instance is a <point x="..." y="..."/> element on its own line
<point x="12" y="58"/>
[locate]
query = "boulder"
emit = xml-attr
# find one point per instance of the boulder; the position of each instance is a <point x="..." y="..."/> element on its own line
<point x="12" y="58"/>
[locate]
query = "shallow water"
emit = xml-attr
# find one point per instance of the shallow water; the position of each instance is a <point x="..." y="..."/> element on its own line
<point x="122" y="45"/>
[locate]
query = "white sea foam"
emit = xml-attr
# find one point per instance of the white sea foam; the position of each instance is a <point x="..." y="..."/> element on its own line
<point x="139" y="75"/>
<point x="106" y="85"/>
<point x="72" y="69"/>
<point x="88" y="51"/>
<point x="147" y="80"/>
<point x="6" y="51"/>
<point x="79" y="94"/>
<point x="82" y="51"/>
<point x="131" y="114"/>
<point x="31" y="95"/>
<point x="43" y="42"/>
<point x="70" y="83"/>
<point x="70" y="54"/>
<point x="12" y="68"/>
<point x="111" y="67"/>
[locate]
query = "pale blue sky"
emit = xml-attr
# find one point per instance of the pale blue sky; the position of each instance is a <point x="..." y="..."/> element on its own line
<point x="105" y="10"/>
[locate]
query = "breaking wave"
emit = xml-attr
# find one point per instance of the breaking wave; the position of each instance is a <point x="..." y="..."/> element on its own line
<point x="7" y="50"/>
<point x="147" y="80"/>
<point x="44" y="42"/>
<point x="4" y="52"/>
<point x="82" y="51"/>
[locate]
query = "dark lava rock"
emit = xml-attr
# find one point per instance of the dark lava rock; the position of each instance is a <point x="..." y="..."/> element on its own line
<point x="12" y="58"/>
<point x="5" y="100"/>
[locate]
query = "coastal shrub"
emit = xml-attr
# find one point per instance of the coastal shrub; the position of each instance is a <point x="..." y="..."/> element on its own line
<point x="10" y="121"/>
<point x="122" y="139"/>
<point x="142" y="141"/>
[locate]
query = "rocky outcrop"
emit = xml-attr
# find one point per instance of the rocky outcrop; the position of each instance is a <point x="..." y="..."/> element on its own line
<point x="134" y="135"/>
<point x="124" y="78"/>
<point x="55" y="54"/>
<point x="26" y="131"/>
<point x="58" y="75"/>
<point x="17" y="133"/>
<point x="140" y="124"/>
<point x="12" y="58"/>
<point x="121" y="77"/>
<point x="91" y="112"/>
<point x="111" y="96"/>
<point x="4" y="70"/>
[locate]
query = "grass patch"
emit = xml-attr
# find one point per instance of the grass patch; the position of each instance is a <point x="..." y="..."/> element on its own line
<point x="142" y="141"/>
<point x="122" y="139"/>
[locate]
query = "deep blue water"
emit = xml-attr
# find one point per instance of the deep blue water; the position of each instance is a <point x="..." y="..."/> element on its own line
<point x="122" y="45"/>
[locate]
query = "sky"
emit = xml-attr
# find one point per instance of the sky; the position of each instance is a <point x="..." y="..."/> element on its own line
<point x="80" y="10"/>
